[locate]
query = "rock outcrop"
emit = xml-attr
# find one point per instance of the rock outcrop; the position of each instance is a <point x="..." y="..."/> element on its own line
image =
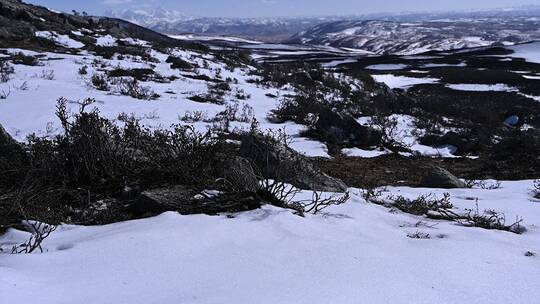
<point x="441" y="178"/>
<point x="275" y="160"/>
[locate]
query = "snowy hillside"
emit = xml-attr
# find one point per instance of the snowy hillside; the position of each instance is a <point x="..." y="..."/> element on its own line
<point x="149" y="18"/>
<point x="354" y="253"/>
<point x="175" y="23"/>
<point x="406" y="38"/>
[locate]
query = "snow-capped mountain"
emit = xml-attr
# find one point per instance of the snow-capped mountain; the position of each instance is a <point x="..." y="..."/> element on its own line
<point x="174" y="23"/>
<point x="403" y="38"/>
<point x="149" y="18"/>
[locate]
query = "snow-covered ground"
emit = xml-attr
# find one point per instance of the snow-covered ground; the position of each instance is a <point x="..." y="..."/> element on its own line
<point x="530" y="52"/>
<point x="401" y="82"/>
<point x="353" y="253"/>
<point x="500" y="87"/>
<point x="387" y="67"/>
<point x="30" y="106"/>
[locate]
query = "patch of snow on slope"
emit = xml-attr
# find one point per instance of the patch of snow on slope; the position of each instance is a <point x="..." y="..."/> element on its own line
<point x="32" y="110"/>
<point x="401" y="82"/>
<point x="387" y="67"/>
<point x="356" y="152"/>
<point x="500" y="87"/>
<point x="107" y="40"/>
<point x="352" y="254"/>
<point x="62" y="40"/>
<point x="530" y="52"/>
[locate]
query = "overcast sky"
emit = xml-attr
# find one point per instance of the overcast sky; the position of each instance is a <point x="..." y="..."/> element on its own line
<point x="258" y="8"/>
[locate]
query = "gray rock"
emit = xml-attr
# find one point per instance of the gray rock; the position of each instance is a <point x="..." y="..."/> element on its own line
<point x="275" y="160"/>
<point x="441" y="178"/>
<point x="237" y="173"/>
<point x="186" y="200"/>
<point x="5" y="138"/>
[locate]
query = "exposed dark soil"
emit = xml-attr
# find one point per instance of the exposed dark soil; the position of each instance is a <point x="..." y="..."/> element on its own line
<point x="397" y="170"/>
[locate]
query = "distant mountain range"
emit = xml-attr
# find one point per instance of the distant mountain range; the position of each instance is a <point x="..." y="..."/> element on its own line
<point x="175" y="23"/>
<point x="405" y="38"/>
<point x="403" y="33"/>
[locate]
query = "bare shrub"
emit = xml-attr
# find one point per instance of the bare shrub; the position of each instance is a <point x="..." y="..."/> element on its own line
<point x="423" y="205"/>
<point x="419" y="235"/>
<point x="283" y="195"/>
<point x="537" y="188"/>
<point x="23" y="86"/>
<point x="132" y="88"/>
<point x="471" y="183"/>
<point x="4" y="94"/>
<point x="40" y="231"/>
<point x="47" y="74"/>
<point x="490" y="219"/>
<point x="83" y="70"/>
<point x="195" y="116"/>
<point x="6" y="70"/>
<point x="441" y="209"/>
<point x="99" y="81"/>
<point x="233" y="112"/>
<point x="392" y="136"/>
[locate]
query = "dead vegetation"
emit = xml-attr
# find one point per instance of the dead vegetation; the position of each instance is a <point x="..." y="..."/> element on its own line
<point x="6" y="70"/>
<point x="442" y="209"/>
<point x="95" y="161"/>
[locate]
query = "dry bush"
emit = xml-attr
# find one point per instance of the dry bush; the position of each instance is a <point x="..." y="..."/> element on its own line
<point x="537" y="188"/>
<point x="6" y="70"/>
<point x="83" y="70"/>
<point x="490" y="219"/>
<point x="392" y="136"/>
<point x="419" y="235"/>
<point x="423" y="205"/>
<point x="47" y="74"/>
<point x="441" y="209"/>
<point x="95" y="154"/>
<point x="99" y="81"/>
<point x="132" y="88"/>
<point x="4" y="94"/>
<point x="283" y="195"/>
<point x="40" y="231"/>
<point x="195" y="116"/>
<point x="471" y="183"/>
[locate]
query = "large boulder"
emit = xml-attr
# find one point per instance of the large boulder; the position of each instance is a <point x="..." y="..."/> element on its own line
<point x="236" y="172"/>
<point x="441" y="178"/>
<point x="274" y="160"/>
<point x="465" y="143"/>
<point x="12" y="155"/>
<point x="344" y="129"/>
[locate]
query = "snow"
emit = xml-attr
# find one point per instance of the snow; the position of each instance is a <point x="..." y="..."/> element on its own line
<point x="106" y="40"/>
<point x="500" y="87"/>
<point x="63" y="40"/>
<point x="530" y="52"/>
<point x="354" y="253"/>
<point x="387" y="67"/>
<point x="406" y="134"/>
<point x="441" y="65"/>
<point x="32" y="110"/>
<point x="394" y="81"/>
<point x="356" y="152"/>
<point x="192" y="37"/>
<point x="335" y="63"/>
